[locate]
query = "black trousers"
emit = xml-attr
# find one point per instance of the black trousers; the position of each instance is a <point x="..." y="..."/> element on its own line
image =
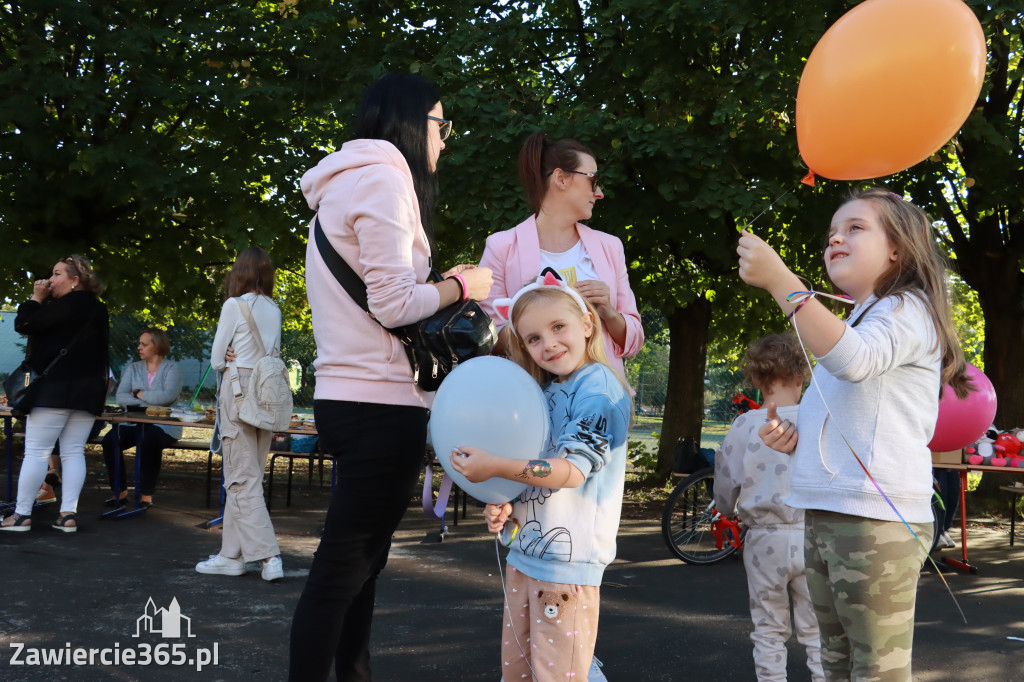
<point x="949" y="490"/>
<point x="149" y="443"/>
<point x="378" y="451"/>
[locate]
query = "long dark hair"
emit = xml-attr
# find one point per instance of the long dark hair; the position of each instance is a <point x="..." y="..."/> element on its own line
<point x="394" y="108"/>
<point x="252" y="271"/>
<point x="539" y="158"/>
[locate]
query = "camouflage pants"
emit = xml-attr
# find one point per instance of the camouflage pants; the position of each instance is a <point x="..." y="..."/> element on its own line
<point x="862" y="575"/>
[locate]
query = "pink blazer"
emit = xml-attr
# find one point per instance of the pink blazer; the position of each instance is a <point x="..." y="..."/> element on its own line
<point x="514" y="256"/>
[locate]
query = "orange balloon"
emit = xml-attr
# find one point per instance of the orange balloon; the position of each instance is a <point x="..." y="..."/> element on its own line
<point x="887" y="86"/>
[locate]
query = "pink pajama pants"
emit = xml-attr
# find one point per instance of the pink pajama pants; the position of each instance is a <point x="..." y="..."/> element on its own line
<point x="552" y="628"/>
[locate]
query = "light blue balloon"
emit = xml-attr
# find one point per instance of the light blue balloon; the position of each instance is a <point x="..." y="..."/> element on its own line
<point x="494" y="404"/>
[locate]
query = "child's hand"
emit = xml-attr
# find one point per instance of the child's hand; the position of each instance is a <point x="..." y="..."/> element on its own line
<point x="496" y="516"/>
<point x="474" y="463"/>
<point x="778" y="435"/>
<point x="760" y="266"/>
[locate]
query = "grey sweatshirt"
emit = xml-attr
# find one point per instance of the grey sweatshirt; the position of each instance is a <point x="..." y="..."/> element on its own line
<point x="881" y="383"/>
<point x="751" y="478"/>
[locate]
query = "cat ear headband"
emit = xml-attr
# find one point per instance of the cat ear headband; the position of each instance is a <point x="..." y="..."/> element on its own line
<point x="548" y="278"/>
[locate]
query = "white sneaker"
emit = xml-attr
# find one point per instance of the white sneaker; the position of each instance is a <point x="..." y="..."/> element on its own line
<point x="219" y="565"/>
<point x="273" y="569"/>
<point x="946" y="542"/>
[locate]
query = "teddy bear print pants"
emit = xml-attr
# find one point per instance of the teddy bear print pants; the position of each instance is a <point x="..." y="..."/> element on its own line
<point x="549" y="627"/>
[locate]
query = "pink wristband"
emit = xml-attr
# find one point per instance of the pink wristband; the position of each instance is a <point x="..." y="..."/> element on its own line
<point x="462" y="285"/>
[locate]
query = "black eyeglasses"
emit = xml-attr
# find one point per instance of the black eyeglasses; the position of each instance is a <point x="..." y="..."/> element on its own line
<point x="592" y="175"/>
<point x="445" y="127"/>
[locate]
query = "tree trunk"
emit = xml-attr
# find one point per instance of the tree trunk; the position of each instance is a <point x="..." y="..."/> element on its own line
<point x="684" y="397"/>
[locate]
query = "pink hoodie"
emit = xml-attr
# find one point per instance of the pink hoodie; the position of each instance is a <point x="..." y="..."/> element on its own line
<point x="364" y="196"/>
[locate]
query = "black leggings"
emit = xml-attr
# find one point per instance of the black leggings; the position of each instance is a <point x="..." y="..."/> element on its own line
<point x="378" y="452"/>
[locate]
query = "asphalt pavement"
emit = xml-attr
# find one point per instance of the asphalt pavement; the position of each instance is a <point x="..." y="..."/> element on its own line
<point x="98" y="604"/>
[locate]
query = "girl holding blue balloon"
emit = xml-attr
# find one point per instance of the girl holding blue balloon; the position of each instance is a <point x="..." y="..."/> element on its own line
<point x="561" y="530"/>
<point x="863" y="472"/>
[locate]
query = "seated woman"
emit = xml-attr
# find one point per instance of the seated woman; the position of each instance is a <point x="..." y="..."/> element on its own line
<point x="152" y="381"/>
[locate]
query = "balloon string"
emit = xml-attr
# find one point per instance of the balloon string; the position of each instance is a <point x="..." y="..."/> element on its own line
<point x="508" y="610"/>
<point x="771" y="204"/>
<point x="803" y="296"/>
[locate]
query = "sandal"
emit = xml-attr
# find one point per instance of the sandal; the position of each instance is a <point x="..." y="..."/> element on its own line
<point x="21" y="524"/>
<point x="61" y="524"/>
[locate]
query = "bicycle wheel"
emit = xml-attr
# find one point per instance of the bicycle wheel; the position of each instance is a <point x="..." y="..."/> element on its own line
<point x="686" y="521"/>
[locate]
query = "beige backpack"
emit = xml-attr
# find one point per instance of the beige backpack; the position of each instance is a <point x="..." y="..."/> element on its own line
<point x="266" y="402"/>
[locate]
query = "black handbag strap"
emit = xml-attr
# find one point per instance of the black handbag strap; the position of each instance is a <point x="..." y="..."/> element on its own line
<point x="343" y="272"/>
<point x="65" y="349"/>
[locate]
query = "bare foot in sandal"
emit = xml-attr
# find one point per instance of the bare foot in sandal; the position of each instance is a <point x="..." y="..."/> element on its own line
<point x="66" y="523"/>
<point x="17" y="523"/>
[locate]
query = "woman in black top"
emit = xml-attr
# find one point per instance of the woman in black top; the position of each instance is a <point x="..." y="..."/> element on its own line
<point x="64" y="314"/>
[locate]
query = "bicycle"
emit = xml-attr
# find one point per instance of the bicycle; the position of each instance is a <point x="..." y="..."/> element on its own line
<point x="692" y="528"/>
<point x="696" y="533"/>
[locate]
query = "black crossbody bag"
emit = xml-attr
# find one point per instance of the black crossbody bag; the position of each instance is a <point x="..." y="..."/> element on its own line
<point x="436" y="345"/>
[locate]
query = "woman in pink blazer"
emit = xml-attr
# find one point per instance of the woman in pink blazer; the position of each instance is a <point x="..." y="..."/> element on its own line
<point x="561" y="182"/>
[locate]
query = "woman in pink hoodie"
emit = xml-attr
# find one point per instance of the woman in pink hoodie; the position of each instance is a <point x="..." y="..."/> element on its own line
<point x="375" y="201"/>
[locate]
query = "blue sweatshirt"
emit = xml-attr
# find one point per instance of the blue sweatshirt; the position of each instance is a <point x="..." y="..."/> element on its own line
<point x="568" y="535"/>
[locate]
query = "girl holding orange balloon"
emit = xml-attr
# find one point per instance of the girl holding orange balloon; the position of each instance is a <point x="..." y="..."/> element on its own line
<point x="863" y="472"/>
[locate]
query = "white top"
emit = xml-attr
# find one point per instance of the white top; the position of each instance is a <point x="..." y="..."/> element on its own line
<point x="233" y="330"/>
<point x="573" y="265"/>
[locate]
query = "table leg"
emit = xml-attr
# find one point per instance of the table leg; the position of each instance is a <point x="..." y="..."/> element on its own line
<point x="962" y="565"/>
<point x="8" y="437"/>
<point x="1013" y="516"/>
<point x="220" y="519"/>
<point x="116" y="483"/>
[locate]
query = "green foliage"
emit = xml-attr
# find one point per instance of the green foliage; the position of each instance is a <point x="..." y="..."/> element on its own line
<point x="974" y="186"/>
<point x="640" y="457"/>
<point x="160" y="139"/>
